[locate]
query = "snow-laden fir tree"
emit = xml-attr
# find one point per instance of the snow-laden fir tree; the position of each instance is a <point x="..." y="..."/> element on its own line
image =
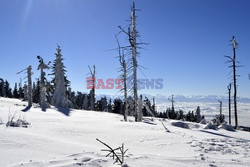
<point x="59" y="98"/>
<point x="102" y="104"/>
<point x="85" y="104"/>
<point x="198" y="114"/>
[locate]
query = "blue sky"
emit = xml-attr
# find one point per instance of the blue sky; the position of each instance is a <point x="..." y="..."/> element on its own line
<point x="187" y="40"/>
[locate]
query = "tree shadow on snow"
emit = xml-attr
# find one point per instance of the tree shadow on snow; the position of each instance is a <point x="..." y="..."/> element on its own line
<point x="27" y="108"/>
<point x="218" y="134"/>
<point x="64" y="110"/>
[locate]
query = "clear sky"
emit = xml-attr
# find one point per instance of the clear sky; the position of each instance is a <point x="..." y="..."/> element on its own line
<point x="187" y="40"/>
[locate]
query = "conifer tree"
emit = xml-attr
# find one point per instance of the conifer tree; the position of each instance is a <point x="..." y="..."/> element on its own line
<point x="1" y="87"/>
<point x="36" y="91"/>
<point x="15" y="91"/>
<point x="25" y="92"/>
<point x="102" y="104"/>
<point x="85" y="104"/>
<point x="43" y="89"/>
<point x="59" y="98"/>
<point x="110" y="106"/>
<point x="7" y="89"/>
<point x="20" y="90"/>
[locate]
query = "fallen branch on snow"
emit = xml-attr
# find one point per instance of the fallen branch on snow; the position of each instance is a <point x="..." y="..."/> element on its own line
<point x="118" y="154"/>
<point x="165" y="127"/>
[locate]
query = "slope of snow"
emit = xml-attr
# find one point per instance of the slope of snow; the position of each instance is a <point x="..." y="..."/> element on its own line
<point x="55" y="139"/>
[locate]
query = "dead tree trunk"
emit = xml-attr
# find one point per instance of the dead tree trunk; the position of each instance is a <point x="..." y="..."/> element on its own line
<point x="133" y="46"/>
<point x="29" y="86"/>
<point x="92" y="92"/>
<point x="124" y="78"/>
<point x="133" y="43"/>
<point x="220" y="107"/>
<point x="140" y="108"/>
<point x="125" y="92"/>
<point x="28" y="89"/>
<point x="233" y="66"/>
<point x="234" y="44"/>
<point x="229" y="102"/>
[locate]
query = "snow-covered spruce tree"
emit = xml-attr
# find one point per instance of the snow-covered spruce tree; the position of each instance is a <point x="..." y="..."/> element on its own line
<point x="71" y="97"/>
<point x="59" y="98"/>
<point x="43" y="92"/>
<point x="198" y="114"/>
<point x="102" y="104"/>
<point x="85" y="104"/>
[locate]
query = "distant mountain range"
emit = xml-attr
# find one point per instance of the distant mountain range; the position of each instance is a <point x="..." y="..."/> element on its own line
<point x="181" y="98"/>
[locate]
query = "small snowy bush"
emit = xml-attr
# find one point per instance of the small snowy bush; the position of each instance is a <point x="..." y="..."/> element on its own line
<point x="20" y="122"/>
<point x="219" y="119"/>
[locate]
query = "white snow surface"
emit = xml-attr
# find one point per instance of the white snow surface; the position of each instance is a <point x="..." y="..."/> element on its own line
<point x="55" y="139"/>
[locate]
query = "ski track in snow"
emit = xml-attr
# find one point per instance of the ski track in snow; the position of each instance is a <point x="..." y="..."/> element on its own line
<point x="54" y="140"/>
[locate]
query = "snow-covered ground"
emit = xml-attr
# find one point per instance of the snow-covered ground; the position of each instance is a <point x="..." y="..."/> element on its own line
<point x="55" y="139"/>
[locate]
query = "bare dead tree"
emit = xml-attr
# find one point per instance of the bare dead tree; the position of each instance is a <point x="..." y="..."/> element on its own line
<point x="132" y="40"/>
<point x="117" y="154"/>
<point x="29" y="88"/>
<point x="220" y="107"/>
<point x="92" y="91"/>
<point x="123" y="69"/>
<point x="234" y="65"/>
<point x="172" y="101"/>
<point x="229" y="102"/>
<point x="140" y="105"/>
<point x="133" y="47"/>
